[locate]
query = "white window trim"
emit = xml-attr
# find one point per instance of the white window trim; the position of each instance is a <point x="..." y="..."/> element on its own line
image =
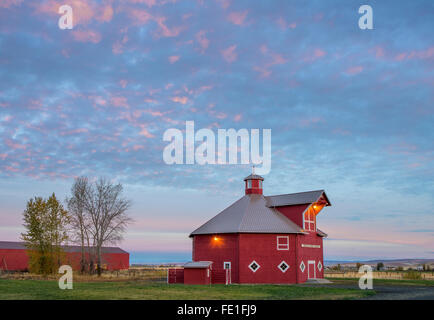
<point x="249" y="184"/>
<point x="319" y="265"/>
<point x="282" y="246"/>
<point x="224" y="264"/>
<point x="308" y="222"/>
<point x="256" y="264"/>
<point x="283" y="262"/>
<point x="302" y="266"/>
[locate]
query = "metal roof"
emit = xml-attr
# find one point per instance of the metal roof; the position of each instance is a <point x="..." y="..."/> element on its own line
<point x="250" y="214"/>
<point x="253" y="176"/>
<point x="13" y="245"/>
<point x="198" y="264"/>
<point x="296" y="198"/>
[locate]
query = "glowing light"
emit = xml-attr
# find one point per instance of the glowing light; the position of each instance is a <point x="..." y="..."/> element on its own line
<point x="215" y="238"/>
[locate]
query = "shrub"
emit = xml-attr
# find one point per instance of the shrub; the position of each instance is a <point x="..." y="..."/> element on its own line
<point x="413" y="275"/>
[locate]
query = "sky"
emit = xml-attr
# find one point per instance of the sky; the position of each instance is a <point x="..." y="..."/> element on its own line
<point x="350" y="112"/>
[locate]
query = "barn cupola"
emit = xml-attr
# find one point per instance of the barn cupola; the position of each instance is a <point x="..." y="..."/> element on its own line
<point x="253" y="183"/>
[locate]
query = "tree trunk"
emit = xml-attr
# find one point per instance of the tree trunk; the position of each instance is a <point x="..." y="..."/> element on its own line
<point x="98" y="266"/>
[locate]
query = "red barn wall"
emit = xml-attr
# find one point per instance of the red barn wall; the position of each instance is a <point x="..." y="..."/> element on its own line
<point x="262" y="248"/>
<point x="294" y="213"/>
<point x="197" y="276"/>
<point x="307" y="254"/>
<point x="18" y="260"/>
<point x="13" y="259"/>
<point x="205" y="248"/>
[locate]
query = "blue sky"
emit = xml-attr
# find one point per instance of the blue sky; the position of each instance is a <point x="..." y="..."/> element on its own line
<point x="350" y="110"/>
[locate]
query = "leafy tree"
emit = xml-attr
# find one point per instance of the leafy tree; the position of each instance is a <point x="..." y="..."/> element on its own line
<point x="46" y="230"/>
<point x="380" y="265"/>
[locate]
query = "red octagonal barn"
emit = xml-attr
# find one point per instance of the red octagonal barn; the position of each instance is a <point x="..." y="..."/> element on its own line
<point x="263" y="239"/>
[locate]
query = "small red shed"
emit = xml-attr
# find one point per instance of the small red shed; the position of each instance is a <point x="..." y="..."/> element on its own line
<point x="197" y="272"/>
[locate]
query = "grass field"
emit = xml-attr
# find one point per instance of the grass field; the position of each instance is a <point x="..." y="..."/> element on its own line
<point x="385" y="282"/>
<point x="144" y="290"/>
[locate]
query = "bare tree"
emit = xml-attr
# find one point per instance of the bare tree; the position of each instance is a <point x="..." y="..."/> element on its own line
<point x="101" y="212"/>
<point x="80" y="221"/>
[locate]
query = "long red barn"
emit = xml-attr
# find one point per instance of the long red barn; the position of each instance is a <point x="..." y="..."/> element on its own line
<point x="13" y="257"/>
<point x="261" y="239"/>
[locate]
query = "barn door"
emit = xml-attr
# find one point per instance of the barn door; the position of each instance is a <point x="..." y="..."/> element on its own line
<point x="311" y="272"/>
<point x="228" y="271"/>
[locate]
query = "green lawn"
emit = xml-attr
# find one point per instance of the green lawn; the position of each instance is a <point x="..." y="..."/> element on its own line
<point x="46" y="289"/>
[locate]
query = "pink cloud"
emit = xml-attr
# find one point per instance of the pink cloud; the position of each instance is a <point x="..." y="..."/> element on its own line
<point x="117" y="48"/>
<point x="145" y="132"/>
<point x="106" y="15"/>
<point x="73" y="132"/>
<point x="315" y="55"/>
<point x="173" y="59"/>
<point x="139" y="16"/>
<point x="202" y="40"/>
<point x="354" y="70"/>
<point x="9" y="3"/>
<point x="229" y="54"/>
<point x="119" y="102"/>
<point x="14" y="145"/>
<point x="224" y="3"/>
<point x="123" y="83"/>
<point x="284" y="25"/>
<point x="237" y="17"/>
<point x="319" y="53"/>
<point x="3" y="156"/>
<point x="237" y="117"/>
<point x="83" y="10"/>
<point x="182" y="100"/>
<point x="154" y="113"/>
<point x="379" y="52"/>
<point x="421" y="54"/>
<point x="138" y="147"/>
<point x="86" y="36"/>
<point x="149" y="3"/>
<point x="309" y="121"/>
<point x="265" y="73"/>
<point x="165" y="30"/>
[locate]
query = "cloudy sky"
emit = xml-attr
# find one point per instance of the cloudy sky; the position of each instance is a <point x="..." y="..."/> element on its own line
<point x="351" y="112"/>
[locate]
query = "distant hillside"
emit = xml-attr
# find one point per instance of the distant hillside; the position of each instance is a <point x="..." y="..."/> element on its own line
<point x="386" y="262"/>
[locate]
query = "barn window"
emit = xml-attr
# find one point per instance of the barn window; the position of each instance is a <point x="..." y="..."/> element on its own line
<point x="249" y="184"/>
<point x="254" y="266"/>
<point x="309" y="220"/>
<point x="260" y="184"/>
<point x="283" y="266"/>
<point x="319" y="265"/>
<point x="282" y="243"/>
<point x="302" y="266"/>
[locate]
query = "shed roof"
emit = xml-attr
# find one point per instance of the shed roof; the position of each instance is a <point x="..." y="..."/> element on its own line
<point x="250" y="214"/>
<point x="15" y="245"/>
<point x="198" y="264"/>
<point x="296" y="198"/>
